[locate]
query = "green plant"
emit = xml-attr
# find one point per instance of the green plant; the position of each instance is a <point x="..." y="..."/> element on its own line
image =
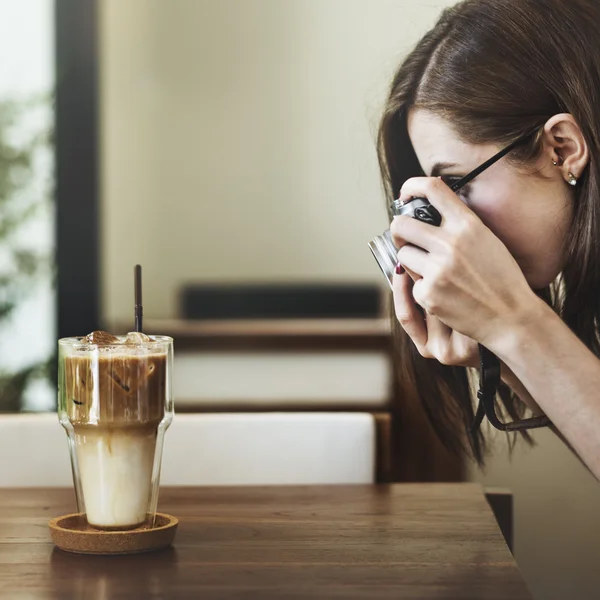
<point x="23" y="143"/>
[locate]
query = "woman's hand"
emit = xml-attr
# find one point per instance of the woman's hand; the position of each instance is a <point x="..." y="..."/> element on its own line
<point x="432" y="338"/>
<point x="464" y="275"/>
<point x="436" y="340"/>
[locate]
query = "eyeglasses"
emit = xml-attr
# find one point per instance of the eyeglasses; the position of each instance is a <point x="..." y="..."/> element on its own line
<point x="488" y="163"/>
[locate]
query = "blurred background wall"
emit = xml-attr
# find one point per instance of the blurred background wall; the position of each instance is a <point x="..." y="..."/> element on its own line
<point x="238" y="144"/>
<point x="239" y="136"/>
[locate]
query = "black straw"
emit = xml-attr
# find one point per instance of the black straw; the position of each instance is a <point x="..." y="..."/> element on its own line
<point x="139" y="311"/>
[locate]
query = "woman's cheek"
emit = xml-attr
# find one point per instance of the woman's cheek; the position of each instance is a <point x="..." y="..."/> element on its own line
<point x="487" y="207"/>
<point x="496" y="214"/>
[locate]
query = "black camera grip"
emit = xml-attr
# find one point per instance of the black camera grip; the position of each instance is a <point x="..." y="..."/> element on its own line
<point x="418" y="208"/>
<point x="428" y="214"/>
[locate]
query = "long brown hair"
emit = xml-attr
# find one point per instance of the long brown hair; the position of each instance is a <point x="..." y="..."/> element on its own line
<point x="494" y="69"/>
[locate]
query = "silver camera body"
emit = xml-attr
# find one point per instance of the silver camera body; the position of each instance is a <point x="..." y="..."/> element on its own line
<point x="383" y="248"/>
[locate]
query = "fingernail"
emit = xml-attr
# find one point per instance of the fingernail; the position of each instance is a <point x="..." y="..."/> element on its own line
<point x="399" y="269"/>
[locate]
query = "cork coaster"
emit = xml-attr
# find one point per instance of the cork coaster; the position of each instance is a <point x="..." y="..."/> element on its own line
<point x="73" y="534"/>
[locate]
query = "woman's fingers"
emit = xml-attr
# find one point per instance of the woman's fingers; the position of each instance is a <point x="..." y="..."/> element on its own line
<point x="408" y="314"/>
<point x="449" y="346"/>
<point x="413" y="259"/>
<point x="439" y="339"/>
<point x="414" y="276"/>
<point x="406" y="230"/>
<point x="431" y="336"/>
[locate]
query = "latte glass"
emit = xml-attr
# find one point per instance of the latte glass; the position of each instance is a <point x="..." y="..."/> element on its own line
<point x="115" y="403"/>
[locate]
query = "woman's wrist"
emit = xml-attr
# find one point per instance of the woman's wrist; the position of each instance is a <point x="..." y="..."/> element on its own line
<point x="519" y="329"/>
<point x="516" y="335"/>
<point x="514" y="383"/>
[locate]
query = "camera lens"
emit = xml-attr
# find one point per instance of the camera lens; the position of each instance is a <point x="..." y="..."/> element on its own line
<point x="385" y="252"/>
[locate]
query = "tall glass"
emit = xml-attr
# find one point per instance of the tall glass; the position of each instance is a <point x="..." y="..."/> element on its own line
<point x="115" y="403"/>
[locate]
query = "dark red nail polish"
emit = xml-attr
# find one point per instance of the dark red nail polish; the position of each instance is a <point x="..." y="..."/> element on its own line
<point x="399" y="269"/>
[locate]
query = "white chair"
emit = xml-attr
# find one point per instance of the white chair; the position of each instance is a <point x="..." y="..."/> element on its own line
<point x="33" y="451"/>
<point x="211" y="449"/>
<point x="269" y="448"/>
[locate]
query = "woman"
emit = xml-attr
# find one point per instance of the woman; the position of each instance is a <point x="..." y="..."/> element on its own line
<point x="515" y="264"/>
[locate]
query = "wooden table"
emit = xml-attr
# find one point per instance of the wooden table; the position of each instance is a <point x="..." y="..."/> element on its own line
<point x="391" y="541"/>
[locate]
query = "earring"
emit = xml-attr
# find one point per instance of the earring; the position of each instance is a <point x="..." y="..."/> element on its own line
<point x="558" y="162"/>
<point x="572" y="179"/>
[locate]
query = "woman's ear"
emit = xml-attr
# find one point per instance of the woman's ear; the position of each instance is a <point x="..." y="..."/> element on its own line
<point x="565" y="144"/>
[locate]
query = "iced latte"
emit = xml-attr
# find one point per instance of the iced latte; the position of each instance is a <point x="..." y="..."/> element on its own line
<point x="115" y="403"/>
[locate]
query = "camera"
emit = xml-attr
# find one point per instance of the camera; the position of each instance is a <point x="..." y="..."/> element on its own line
<point x="383" y="248"/>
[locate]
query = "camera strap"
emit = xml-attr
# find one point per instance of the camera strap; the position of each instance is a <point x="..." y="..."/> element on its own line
<point x="489" y="381"/>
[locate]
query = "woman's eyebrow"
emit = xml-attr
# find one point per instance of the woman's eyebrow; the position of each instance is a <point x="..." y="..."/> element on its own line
<point x="441" y="166"/>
